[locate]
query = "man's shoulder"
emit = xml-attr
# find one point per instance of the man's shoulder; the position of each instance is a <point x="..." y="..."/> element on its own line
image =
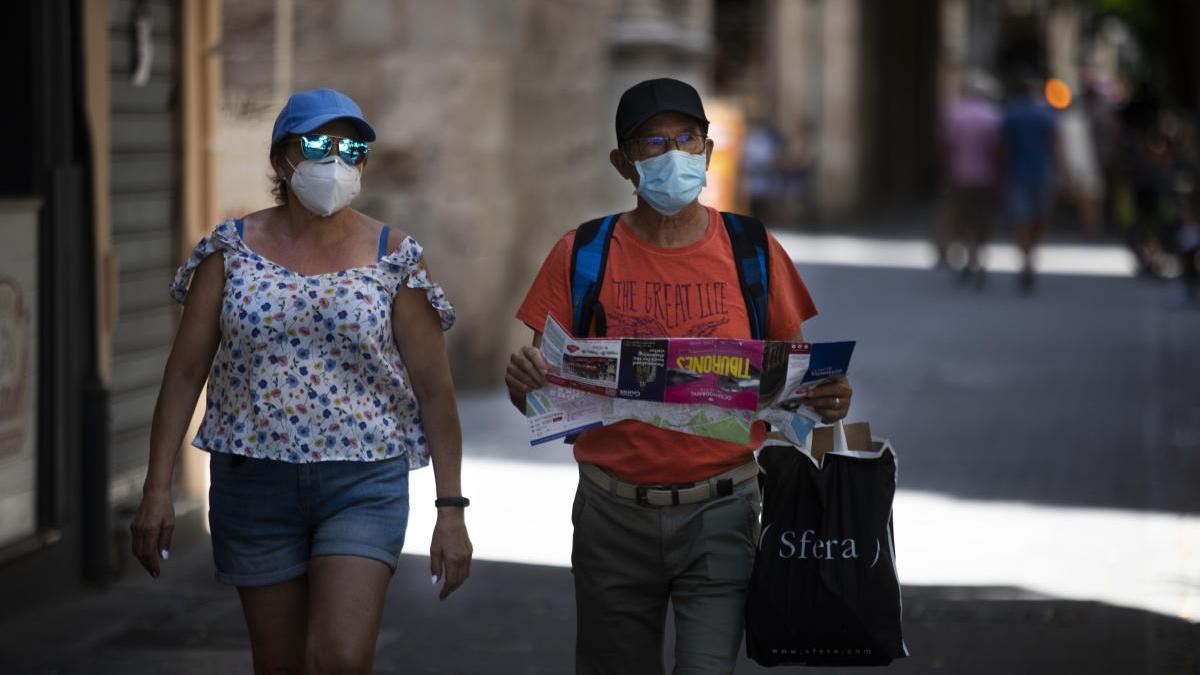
<point x="564" y="245"/>
<point x="595" y="220"/>
<point x="749" y="222"/>
<point x="568" y="237"/>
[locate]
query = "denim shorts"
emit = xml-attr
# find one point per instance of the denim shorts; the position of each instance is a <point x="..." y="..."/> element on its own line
<point x="1027" y="201"/>
<point x="269" y="518"/>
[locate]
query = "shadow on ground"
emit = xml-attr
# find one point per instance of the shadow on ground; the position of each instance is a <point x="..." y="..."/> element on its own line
<point x="516" y="619"/>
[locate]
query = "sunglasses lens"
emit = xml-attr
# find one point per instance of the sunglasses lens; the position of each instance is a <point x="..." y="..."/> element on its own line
<point x="315" y="146"/>
<point x="352" y="151"/>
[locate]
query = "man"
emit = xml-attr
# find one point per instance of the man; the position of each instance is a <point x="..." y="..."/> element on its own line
<point x="670" y="272"/>
<point x="1030" y="139"/>
<point x="971" y="141"/>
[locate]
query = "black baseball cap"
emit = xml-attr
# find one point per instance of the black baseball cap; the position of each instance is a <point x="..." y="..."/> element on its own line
<point x="651" y="97"/>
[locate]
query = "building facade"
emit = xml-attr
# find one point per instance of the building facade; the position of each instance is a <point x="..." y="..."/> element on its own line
<point x="116" y="97"/>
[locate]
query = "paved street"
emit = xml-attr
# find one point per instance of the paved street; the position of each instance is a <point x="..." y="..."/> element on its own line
<point x="1048" y="518"/>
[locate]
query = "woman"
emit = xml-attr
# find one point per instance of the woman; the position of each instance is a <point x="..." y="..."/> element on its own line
<point x="330" y="382"/>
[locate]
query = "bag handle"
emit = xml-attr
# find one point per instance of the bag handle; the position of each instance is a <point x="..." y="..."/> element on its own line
<point x="840" y="445"/>
<point x="835" y="440"/>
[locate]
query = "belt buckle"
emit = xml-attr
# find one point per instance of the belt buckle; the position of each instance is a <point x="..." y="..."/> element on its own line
<point x="641" y="495"/>
<point x="724" y="487"/>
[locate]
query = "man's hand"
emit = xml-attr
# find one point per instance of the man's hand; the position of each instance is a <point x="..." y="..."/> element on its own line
<point x="450" y="551"/>
<point x="526" y="372"/>
<point x="831" y="400"/>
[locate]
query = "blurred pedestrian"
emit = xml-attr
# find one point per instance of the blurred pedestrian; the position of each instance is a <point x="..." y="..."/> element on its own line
<point x="1030" y="141"/>
<point x="1184" y="135"/>
<point x="1187" y="242"/>
<point x="1083" y="179"/>
<point x="797" y="164"/>
<point x="1106" y="141"/>
<point x="661" y="516"/>
<point x="1147" y="162"/>
<point x="330" y="383"/>
<point x="760" y="167"/>
<point x="971" y="147"/>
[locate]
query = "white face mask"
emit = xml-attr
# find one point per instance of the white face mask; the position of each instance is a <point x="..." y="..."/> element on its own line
<point x="325" y="186"/>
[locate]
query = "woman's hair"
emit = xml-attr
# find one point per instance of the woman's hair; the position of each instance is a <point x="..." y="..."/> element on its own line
<point x="279" y="188"/>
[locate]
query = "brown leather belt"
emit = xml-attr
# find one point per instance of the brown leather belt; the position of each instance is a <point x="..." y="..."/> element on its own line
<point x="719" y="485"/>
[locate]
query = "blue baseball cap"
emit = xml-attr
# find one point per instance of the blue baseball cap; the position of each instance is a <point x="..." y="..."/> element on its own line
<point x="307" y="110"/>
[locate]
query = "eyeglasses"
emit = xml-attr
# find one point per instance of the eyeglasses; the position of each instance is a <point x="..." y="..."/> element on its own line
<point x="318" y="146"/>
<point x="652" y="146"/>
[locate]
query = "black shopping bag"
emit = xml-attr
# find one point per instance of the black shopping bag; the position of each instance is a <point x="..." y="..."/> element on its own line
<point x="824" y="590"/>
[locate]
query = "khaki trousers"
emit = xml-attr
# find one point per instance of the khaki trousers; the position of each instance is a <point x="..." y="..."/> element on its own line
<point x="629" y="560"/>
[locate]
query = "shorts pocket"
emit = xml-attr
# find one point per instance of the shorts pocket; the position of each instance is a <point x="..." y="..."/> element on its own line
<point x="753" y="497"/>
<point x="578" y="506"/>
<point x="579" y="539"/>
<point x="223" y="461"/>
<point x="729" y="537"/>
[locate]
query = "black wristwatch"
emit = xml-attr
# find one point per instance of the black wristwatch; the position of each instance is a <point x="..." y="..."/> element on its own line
<point x="451" y="501"/>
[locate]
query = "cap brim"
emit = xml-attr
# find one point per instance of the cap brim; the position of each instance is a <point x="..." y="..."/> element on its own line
<point x="633" y="127"/>
<point x="365" y="129"/>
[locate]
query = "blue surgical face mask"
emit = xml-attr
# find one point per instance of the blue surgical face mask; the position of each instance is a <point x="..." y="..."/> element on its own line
<point x="672" y="180"/>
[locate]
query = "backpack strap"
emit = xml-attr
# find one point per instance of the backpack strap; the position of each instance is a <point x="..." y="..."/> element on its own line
<point x="383" y="242"/>
<point x="750" y="251"/>
<point x="589" y="256"/>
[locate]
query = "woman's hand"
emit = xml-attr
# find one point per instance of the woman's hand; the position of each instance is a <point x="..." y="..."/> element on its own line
<point x="526" y="371"/>
<point x="152" y="528"/>
<point x="418" y="333"/>
<point x="831" y="400"/>
<point x="187" y="367"/>
<point x="450" y="552"/>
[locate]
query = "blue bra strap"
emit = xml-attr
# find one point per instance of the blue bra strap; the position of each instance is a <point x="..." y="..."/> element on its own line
<point x="241" y="228"/>
<point x="383" y="241"/>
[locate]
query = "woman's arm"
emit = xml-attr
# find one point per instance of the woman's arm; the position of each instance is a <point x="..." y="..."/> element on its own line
<point x="418" y="332"/>
<point x="196" y="342"/>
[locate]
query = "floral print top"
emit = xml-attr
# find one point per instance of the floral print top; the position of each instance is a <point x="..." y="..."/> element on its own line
<point x="308" y="369"/>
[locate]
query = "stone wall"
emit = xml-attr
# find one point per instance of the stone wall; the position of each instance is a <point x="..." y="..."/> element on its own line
<point x="494" y="123"/>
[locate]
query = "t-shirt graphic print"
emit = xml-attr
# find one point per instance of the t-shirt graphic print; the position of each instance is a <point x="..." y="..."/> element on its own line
<point x="692" y="291"/>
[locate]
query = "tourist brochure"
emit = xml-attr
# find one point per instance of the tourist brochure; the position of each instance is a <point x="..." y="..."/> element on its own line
<point x="714" y="387"/>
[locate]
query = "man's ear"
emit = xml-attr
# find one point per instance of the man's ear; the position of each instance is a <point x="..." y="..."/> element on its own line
<point x="623" y="166"/>
<point x="708" y="151"/>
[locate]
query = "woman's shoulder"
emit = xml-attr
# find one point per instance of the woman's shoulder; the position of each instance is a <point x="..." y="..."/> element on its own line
<point x="399" y="253"/>
<point x="224" y="236"/>
<point x="256" y="220"/>
<point x="207" y="256"/>
<point x="391" y="239"/>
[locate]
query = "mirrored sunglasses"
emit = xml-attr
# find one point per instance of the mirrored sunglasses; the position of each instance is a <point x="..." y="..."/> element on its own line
<point x="318" y="146"/>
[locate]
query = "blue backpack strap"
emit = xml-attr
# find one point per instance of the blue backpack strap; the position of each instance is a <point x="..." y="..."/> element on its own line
<point x="589" y="256"/>
<point x="383" y="242"/>
<point x="751" y="255"/>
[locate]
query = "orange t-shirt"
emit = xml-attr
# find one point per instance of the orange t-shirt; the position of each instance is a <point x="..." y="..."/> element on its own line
<point x="649" y="291"/>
